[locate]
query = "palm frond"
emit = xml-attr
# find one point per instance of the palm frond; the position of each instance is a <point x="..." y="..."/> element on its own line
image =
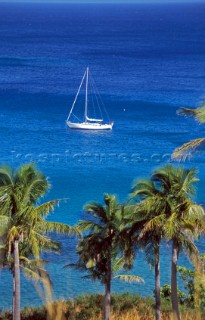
<point x="89" y="225"/>
<point x="35" y="242"/>
<point x="40" y="275"/>
<point x="40" y="242"/>
<point x="111" y="202"/>
<point x="13" y="233"/>
<point x="188" y="148"/>
<point x="188" y="245"/>
<point x="34" y="190"/>
<point x="143" y="189"/>
<point x="187" y="112"/>
<point x="196" y="211"/>
<point x="118" y="264"/>
<point x="4" y="221"/>
<point x="150" y="247"/>
<point x="95" y="208"/>
<point x="172" y="226"/>
<point x="34" y="262"/>
<point x="6" y="176"/>
<point x="59" y="228"/>
<point x="30" y="274"/>
<point x="32" y="181"/>
<point x="188" y="181"/>
<point x="198" y="114"/>
<point x="155" y="223"/>
<point x="44" y="209"/>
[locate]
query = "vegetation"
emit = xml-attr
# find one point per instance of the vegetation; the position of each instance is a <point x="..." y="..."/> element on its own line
<point x="150" y="213"/>
<point x="89" y="307"/>
<point x="188" y="148"/>
<point x="24" y="224"/>
<point x="160" y="208"/>
<point x="182" y="217"/>
<point x="105" y="239"/>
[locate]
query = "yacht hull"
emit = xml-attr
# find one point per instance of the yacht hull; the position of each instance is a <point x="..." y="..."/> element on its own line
<point x="90" y="126"/>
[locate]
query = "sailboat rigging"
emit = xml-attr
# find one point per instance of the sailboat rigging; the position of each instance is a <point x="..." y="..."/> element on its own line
<point x="88" y="123"/>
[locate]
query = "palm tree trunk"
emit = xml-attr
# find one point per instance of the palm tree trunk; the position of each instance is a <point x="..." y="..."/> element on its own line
<point x="16" y="311"/>
<point x="107" y="301"/>
<point x="13" y="298"/>
<point x="174" y="295"/>
<point x="157" y="284"/>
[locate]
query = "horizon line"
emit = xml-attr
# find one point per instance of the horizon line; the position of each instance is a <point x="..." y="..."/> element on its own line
<point x="148" y="2"/>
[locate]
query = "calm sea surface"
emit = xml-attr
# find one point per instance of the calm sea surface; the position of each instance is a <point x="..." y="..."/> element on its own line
<point x="146" y="60"/>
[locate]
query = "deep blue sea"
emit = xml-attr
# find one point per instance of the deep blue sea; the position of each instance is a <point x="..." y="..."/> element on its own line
<point x="147" y="61"/>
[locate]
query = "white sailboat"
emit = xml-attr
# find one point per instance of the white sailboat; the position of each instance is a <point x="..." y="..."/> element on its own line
<point x="87" y="123"/>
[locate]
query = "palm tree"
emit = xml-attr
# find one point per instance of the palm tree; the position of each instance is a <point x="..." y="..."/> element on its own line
<point x="20" y="195"/>
<point x="150" y="211"/>
<point x="183" y="216"/>
<point x="189" y="147"/>
<point x="101" y="245"/>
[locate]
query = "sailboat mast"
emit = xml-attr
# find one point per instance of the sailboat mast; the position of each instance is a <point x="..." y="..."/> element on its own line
<point x="86" y="95"/>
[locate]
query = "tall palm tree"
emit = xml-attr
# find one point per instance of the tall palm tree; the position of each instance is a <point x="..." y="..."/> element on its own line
<point x="183" y="216"/>
<point x="150" y="211"/>
<point x="21" y="192"/>
<point x="189" y="147"/>
<point x="102" y="243"/>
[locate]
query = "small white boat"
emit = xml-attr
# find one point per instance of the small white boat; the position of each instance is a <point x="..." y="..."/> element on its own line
<point x="87" y="123"/>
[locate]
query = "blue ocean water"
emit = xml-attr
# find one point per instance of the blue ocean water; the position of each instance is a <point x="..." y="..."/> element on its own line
<point x="147" y="61"/>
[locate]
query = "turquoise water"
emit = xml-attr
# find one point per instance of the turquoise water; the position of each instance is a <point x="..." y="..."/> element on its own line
<point x="146" y="61"/>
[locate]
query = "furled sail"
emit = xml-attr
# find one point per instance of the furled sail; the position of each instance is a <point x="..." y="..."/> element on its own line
<point x="93" y="120"/>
